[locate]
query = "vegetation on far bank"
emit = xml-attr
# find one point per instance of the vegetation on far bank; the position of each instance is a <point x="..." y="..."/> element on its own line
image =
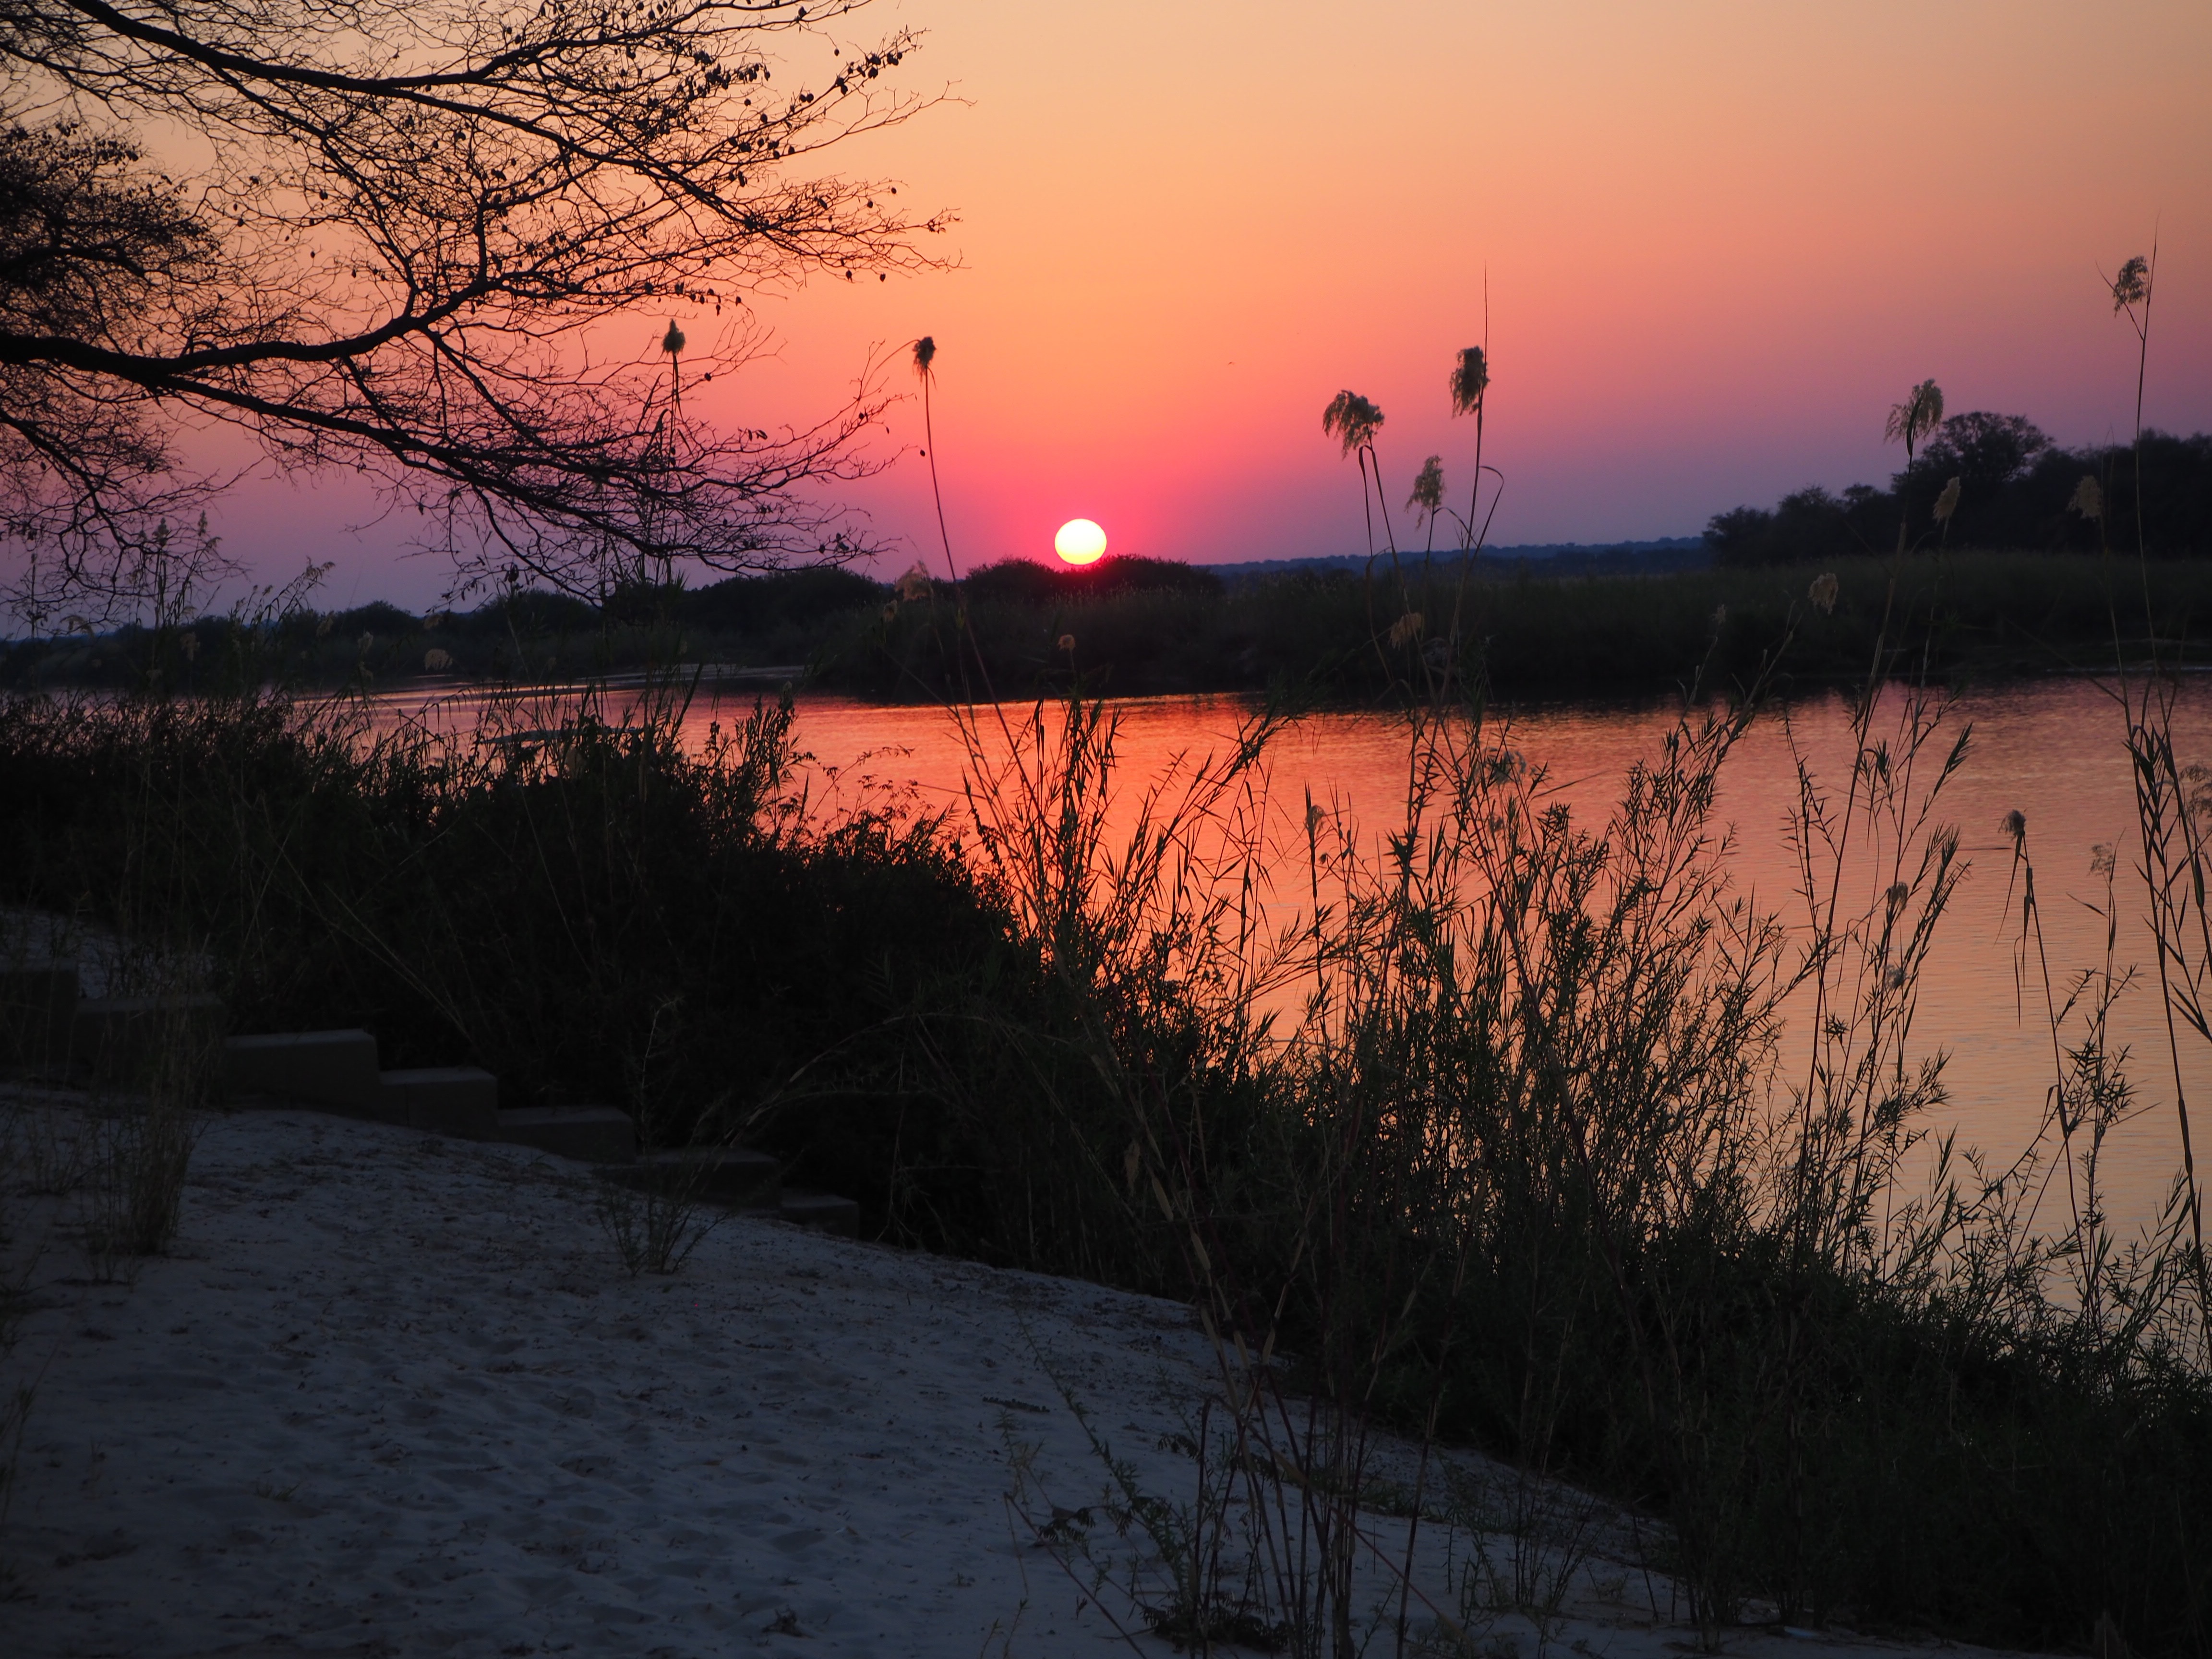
<point x="1999" y="482"/>
<point x="1141" y="627"/>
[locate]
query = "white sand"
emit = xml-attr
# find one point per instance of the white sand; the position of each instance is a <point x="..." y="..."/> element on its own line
<point x="394" y="1394"/>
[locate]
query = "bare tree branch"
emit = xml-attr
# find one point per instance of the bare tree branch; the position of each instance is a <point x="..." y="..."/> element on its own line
<point x="382" y="231"/>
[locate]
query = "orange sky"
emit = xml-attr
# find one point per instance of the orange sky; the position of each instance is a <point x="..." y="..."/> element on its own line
<point x="1720" y="240"/>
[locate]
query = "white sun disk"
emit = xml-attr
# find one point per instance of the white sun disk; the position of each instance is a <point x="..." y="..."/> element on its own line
<point x="1080" y="541"/>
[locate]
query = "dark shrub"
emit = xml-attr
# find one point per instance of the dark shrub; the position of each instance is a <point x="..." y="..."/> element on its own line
<point x="1025" y="582"/>
<point x="384" y="621"/>
<point x="757" y="605"/>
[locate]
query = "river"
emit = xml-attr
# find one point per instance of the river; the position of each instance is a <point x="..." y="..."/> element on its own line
<point x="2052" y="750"/>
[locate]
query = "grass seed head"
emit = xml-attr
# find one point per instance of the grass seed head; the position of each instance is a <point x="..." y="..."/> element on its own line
<point x="2132" y="286"/>
<point x="2088" y="499"/>
<point x="1823" y="592"/>
<point x="1470" y="379"/>
<point x="1428" y="486"/>
<point x="1948" y="502"/>
<point x="1920" y="414"/>
<point x="1352" y="420"/>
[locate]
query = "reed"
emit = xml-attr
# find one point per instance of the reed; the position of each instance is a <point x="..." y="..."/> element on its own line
<point x="1524" y="1166"/>
<point x="656" y="1220"/>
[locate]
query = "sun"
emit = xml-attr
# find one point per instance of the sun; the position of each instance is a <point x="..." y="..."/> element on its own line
<point x="1080" y="542"/>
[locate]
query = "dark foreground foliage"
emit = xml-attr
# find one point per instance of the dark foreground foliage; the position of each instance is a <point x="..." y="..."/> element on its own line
<point x="1482" y="1138"/>
<point x="586" y="911"/>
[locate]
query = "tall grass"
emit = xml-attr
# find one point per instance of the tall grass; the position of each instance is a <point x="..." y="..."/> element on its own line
<point x="1532" y="1157"/>
<point x="539" y="897"/>
<point x="1498" y="1126"/>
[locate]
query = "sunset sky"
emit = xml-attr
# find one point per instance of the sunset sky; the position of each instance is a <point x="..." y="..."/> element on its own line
<point x="1721" y="238"/>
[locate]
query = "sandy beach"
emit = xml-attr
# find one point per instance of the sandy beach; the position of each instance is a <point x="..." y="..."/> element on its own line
<point x="392" y="1393"/>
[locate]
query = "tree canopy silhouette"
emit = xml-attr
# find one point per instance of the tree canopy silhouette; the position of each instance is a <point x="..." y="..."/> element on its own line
<point x="377" y="233"/>
<point x="2017" y="489"/>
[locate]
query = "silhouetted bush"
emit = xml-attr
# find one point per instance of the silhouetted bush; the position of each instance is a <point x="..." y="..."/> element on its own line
<point x="388" y="621"/>
<point x="762" y="604"/>
<point x="1025" y="581"/>
<point x="1811" y="525"/>
<point x="535" y="906"/>
<point x="526" y="611"/>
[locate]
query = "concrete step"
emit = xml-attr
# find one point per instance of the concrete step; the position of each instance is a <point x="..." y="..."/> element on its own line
<point x="38" y="999"/>
<point x="336" y="1071"/>
<point x="716" y="1175"/>
<point x="825" y="1211"/>
<point x="448" y="1100"/>
<point x="596" y="1135"/>
<point x="129" y="1039"/>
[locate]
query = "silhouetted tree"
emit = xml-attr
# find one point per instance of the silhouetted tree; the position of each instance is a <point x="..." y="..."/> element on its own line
<point x="1987" y="455"/>
<point x="2176" y="492"/>
<point x="1985" y="452"/>
<point x="1025" y="581"/>
<point x="374" y="235"/>
<point x="1808" y="524"/>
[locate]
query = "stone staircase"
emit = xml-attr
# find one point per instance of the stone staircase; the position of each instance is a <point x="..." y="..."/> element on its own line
<point x="48" y="1027"/>
<point x="47" y="1023"/>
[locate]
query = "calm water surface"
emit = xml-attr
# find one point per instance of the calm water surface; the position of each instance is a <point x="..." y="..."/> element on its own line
<point x="2052" y="750"/>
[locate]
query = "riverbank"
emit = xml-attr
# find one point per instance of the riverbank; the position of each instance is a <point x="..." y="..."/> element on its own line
<point x="1968" y="618"/>
<point x="1035" y="1036"/>
<point x="390" y="1393"/>
<point x="1329" y="635"/>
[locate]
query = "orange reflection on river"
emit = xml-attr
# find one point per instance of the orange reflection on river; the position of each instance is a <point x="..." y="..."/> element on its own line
<point x="2052" y="750"/>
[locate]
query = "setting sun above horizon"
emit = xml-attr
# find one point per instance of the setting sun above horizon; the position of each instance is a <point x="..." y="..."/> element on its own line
<point x="1080" y="541"/>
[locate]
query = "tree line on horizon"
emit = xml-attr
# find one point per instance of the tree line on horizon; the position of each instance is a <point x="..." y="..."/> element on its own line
<point x="2017" y="490"/>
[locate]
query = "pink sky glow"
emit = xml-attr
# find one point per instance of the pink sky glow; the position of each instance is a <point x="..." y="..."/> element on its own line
<point x="1721" y="238"/>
